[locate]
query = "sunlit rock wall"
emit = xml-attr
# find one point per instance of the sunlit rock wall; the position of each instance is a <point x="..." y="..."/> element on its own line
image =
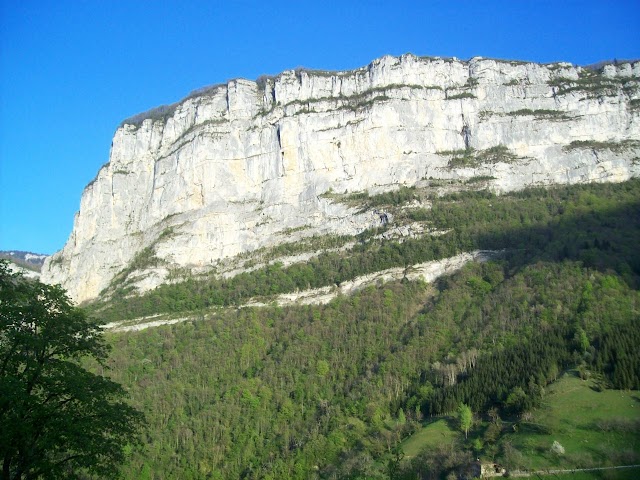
<point x="245" y="165"/>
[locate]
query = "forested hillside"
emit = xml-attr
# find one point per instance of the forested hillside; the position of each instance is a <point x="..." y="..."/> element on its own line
<point x="330" y="391"/>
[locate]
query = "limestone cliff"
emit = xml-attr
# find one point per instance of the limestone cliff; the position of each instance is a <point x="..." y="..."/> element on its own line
<point x="240" y="166"/>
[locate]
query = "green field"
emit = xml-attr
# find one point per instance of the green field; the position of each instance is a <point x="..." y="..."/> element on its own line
<point x="596" y="429"/>
<point x="432" y="435"/>
<point x="621" y="474"/>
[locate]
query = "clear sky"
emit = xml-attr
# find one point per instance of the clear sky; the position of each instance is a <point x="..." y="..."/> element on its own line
<point x="71" y="71"/>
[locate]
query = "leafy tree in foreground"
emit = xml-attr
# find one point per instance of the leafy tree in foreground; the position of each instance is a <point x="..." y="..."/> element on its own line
<point x="57" y="420"/>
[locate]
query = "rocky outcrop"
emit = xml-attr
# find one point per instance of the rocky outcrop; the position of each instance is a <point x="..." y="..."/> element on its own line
<point x="240" y="166"/>
<point x="426" y="272"/>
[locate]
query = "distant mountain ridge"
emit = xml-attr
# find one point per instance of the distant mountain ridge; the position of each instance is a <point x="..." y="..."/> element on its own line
<point x="246" y="165"/>
<point x="28" y="260"/>
<point x="27" y="263"/>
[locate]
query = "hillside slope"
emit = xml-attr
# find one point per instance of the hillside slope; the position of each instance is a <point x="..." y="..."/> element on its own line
<point x="329" y="391"/>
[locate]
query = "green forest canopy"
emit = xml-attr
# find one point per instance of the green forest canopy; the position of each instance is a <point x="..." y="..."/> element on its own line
<point x="329" y="391"/>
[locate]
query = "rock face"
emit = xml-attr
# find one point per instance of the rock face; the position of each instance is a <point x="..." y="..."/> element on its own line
<point x="240" y="166"/>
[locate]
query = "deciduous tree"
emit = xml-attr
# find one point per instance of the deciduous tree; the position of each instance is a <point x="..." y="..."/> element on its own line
<point x="57" y="419"/>
<point x="465" y="417"/>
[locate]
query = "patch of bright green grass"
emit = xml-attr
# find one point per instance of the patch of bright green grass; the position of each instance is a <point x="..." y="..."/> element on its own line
<point x="431" y="435"/>
<point x="617" y="474"/>
<point x="596" y="429"/>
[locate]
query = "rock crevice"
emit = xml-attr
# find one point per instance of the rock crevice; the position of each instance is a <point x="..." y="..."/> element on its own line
<point x="233" y="166"/>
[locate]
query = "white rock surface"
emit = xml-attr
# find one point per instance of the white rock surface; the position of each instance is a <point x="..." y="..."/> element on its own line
<point x="427" y="272"/>
<point x="25" y="272"/>
<point x="238" y="166"/>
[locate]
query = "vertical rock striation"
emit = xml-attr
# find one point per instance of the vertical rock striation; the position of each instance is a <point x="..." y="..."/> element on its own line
<point x="236" y="167"/>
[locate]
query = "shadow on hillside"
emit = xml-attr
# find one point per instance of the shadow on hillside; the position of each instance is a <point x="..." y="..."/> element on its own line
<point x="606" y="240"/>
<point x="602" y="238"/>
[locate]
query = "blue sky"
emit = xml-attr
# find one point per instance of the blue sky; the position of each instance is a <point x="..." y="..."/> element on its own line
<point x="71" y="71"/>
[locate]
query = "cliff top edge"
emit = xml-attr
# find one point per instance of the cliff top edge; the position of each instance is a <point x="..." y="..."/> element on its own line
<point x="163" y="112"/>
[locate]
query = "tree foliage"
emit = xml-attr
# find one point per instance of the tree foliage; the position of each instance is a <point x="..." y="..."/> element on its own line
<point x="57" y="419"/>
<point x="465" y="418"/>
<point x="320" y="391"/>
